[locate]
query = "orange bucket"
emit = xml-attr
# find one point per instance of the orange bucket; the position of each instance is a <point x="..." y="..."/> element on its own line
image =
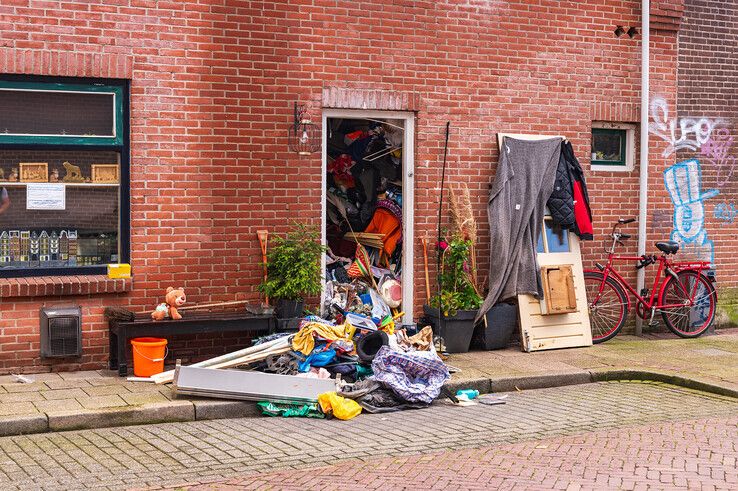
<point x="148" y="356"/>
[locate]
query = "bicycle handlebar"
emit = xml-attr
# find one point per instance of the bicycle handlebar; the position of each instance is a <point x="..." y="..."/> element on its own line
<point x="616" y="236"/>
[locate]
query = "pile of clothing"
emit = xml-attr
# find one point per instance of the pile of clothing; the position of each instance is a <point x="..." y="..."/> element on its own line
<point x="378" y="371"/>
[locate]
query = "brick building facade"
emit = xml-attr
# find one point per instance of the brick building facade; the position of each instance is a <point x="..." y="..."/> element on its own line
<point x="212" y="85"/>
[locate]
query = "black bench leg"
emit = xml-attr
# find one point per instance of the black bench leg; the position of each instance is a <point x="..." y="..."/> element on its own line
<point x="122" y="353"/>
<point x="112" y="351"/>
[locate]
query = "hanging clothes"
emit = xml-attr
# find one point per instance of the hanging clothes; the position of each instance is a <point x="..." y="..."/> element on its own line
<point x="523" y="183"/>
<point x="569" y="201"/>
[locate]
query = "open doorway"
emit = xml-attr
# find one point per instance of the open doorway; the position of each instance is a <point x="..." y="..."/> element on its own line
<point x="368" y="198"/>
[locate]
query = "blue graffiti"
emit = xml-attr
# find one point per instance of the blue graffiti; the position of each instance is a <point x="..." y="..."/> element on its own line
<point x="726" y="212"/>
<point x="684" y="183"/>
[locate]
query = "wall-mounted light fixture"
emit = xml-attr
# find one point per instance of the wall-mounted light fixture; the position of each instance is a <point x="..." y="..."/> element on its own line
<point x="303" y="137"/>
<point x="619" y="31"/>
<point x="632" y="32"/>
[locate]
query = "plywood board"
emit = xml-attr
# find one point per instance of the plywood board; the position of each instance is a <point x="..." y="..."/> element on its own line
<point x="558" y="285"/>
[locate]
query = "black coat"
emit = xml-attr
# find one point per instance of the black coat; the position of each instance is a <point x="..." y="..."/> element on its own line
<point x="561" y="202"/>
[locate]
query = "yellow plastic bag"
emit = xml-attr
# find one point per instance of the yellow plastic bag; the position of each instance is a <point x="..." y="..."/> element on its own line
<point x="341" y="407"/>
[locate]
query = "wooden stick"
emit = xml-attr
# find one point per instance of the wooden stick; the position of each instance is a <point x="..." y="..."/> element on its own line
<point x="216" y="304"/>
<point x="263" y="239"/>
<point x="425" y="265"/>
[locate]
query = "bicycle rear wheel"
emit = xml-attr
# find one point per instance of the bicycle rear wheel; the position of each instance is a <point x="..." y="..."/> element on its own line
<point x="607" y="310"/>
<point x="688" y="321"/>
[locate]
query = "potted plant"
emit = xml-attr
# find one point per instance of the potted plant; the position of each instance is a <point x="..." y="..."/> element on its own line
<point x="458" y="300"/>
<point x="293" y="270"/>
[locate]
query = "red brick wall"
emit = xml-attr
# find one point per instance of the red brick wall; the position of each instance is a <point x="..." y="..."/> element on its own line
<point x="708" y="88"/>
<point x="212" y="88"/>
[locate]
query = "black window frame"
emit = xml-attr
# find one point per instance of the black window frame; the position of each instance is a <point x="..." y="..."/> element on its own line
<point x="124" y="187"/>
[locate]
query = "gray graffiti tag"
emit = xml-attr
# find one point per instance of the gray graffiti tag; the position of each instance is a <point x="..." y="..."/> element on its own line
<point x="692" y="134"/>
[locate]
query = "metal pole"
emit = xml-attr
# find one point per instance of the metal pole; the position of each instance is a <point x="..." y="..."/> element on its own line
<point x="643" y="187"/>
<point x="441" y="319"/>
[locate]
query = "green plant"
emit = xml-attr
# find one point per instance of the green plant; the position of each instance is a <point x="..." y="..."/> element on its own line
<point x="293" y="265"/>
<point x="458" y="291"/>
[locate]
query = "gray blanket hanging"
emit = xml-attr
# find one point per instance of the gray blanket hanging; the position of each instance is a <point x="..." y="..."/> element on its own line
<point x="523" y="183"/>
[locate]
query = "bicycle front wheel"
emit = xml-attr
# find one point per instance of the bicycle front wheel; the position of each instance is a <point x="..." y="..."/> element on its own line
<point x="688" y="319"/>
<point x="608" y="309"/>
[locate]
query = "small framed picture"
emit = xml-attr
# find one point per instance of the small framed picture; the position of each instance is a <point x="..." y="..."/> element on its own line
<point x="34" y="172"/>
<point x="105" y="173"/>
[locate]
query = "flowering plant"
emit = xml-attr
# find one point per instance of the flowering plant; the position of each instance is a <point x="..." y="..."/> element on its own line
<point x="458" y="291"/>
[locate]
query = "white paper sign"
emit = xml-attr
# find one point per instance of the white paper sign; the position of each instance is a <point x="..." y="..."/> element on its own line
<point x="45" y="196"/>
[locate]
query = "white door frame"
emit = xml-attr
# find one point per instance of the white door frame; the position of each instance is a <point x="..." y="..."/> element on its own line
<point x="408" y="191"/>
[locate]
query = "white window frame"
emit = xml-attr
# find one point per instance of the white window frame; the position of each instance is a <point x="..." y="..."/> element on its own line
<point x="630" y="129"/>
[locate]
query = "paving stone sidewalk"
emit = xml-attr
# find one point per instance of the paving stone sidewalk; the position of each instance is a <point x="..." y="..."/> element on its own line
<point x="91" y="399"/>
<point x="169" y="454"/>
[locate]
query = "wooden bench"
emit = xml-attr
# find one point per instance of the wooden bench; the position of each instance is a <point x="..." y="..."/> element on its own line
<point x="191" y="323"/>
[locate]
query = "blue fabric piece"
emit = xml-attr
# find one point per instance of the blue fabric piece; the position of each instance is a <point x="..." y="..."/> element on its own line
<point x="415" y="377"/>
<point x="317" y="359"/>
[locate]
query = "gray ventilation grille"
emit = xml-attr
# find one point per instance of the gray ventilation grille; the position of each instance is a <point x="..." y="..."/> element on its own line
<point x="61" y="332"/>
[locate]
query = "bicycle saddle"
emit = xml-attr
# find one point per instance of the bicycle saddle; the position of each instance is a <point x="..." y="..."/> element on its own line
<point x="668" y="247"/>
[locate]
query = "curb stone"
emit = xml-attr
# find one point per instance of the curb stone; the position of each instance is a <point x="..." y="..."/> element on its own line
<point x="161" y="412"/>
<point x="659" y="376"/>
<point x="204" y="409"/>
<point x="22" y="425"/>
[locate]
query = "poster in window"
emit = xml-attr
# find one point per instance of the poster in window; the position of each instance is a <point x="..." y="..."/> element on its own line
<point x="46" y="196"/>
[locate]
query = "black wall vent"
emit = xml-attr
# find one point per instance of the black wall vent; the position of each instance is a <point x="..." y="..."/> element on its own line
<point x="61" y="332"/>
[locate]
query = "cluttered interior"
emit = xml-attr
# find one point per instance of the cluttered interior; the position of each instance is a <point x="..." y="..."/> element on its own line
<point x="364" y="218"/>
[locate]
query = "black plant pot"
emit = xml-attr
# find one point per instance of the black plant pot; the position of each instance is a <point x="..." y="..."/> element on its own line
<point x="288" y="309"/>
<point x="502" y="321"/>
<point x="456" y="331"/>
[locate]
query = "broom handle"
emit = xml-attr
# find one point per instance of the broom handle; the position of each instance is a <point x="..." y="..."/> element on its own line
<point x="263" y="236"/>
<point x="441" y="323"/>
<point x="424" y="241"/>
<point x="216" y="304"/>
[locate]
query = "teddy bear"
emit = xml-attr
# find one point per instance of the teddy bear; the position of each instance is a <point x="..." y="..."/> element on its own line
<point x="174" y="298"/>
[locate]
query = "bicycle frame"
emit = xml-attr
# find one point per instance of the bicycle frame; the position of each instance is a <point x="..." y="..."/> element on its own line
<point x="665" y="266"/>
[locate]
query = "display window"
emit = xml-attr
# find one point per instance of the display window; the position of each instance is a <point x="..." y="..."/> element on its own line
<point x="64" y="195"/>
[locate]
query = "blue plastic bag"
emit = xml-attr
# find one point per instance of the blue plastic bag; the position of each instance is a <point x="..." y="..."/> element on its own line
<point x="317" y="359"/>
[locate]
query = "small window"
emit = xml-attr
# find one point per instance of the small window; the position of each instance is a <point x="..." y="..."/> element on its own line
<point x="556" y="239"/>
<point x="613" y="146"/>
<point x="608" y="146"/>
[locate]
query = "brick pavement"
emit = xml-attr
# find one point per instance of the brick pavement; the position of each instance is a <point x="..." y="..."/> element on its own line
<point x="100" y="398"/>
<point x="170" y="454"/>
<point x="695" y="454"/>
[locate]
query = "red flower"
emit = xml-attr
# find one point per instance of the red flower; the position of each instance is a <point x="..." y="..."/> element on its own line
<point x="443" y="245"/>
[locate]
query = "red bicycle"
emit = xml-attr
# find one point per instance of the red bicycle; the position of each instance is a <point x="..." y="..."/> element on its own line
<point x="685" y="296"/>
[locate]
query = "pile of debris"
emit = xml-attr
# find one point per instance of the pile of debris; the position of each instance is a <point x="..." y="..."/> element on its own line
<point x="324" y="369"/>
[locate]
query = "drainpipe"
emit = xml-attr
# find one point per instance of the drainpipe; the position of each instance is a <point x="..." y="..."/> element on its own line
<point x="643" y="187"/>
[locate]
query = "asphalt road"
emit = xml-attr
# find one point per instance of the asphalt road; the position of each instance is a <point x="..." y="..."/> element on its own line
<point x="594" y="436"/>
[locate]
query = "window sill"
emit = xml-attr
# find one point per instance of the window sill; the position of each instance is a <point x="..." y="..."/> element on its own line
<point x="611" y="168"/>
<point x="55" y="286"/>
